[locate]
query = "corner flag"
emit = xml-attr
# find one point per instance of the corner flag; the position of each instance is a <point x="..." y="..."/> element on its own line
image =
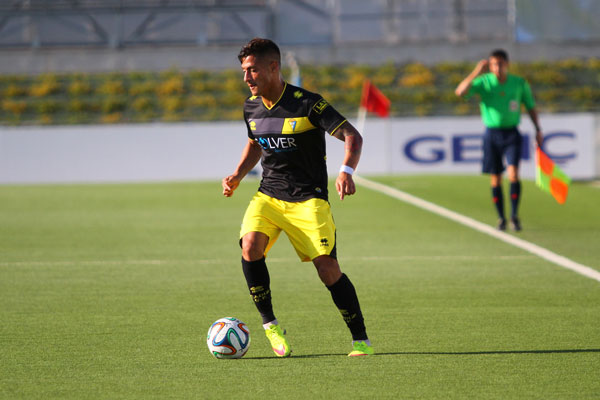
<point x="374" y="101"/>
<point x="550" y="178"/>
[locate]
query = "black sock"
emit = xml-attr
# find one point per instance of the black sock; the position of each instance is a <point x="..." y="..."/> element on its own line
<point x="257" y="278"/>
<point x="498" y="200"/>
<point x="515" y="196"/>
<point x="344" y="297"/>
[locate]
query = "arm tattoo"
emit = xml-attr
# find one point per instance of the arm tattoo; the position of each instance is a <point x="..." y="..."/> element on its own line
<point x="353" y="143"/>
<point x="350" y="136"/>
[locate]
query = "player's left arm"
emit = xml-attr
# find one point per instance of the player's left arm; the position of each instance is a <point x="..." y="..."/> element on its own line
<point x="353" y="147"/>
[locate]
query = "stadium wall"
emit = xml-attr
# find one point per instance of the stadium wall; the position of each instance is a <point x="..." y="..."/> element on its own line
<point x="92" y="60"/>
<point x="203" y="151"/>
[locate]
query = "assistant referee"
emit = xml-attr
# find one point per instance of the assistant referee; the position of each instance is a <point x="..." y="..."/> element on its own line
<point x="501" y="95"/>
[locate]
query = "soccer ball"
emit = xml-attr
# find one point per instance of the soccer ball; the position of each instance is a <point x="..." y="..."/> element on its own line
<point x="228" y="338"/>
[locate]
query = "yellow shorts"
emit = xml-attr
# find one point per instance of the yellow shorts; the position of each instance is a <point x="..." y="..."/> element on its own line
<point x="308" y="224"/>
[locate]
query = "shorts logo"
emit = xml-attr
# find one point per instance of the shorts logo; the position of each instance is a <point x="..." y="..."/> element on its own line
<point x="297" y="94"/>
<point x="320" y="106"/>
<point x="292" y="123"/>
<point x="253" y="125"/>
<point x="324" y="242"/>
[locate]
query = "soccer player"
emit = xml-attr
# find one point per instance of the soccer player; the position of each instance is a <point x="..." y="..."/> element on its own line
<point x="501" y="95"/>
<point x="286" y="130"/>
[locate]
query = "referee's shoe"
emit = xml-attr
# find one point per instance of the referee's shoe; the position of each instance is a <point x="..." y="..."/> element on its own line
<point x="516" y="224"/>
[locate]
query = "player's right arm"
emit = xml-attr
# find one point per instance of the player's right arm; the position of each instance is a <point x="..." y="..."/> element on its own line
<point x="250" y="157"/>
<point x="465" y="85"/>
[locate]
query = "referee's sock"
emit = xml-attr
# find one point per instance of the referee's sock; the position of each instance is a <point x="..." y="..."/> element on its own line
<point x="498" y="199"/>
<point x="257" y="278"/>
<point x="345" y="298"/>
<point x="515" y="196"/>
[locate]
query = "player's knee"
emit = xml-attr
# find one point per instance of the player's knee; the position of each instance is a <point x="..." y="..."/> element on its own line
<point x="252" y="249"/>
<point x="328" y="269"/>
<point x="251" y="253"/>
<point x="495" y="180"/>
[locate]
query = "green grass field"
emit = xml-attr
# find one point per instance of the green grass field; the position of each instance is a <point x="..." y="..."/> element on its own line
<point x="107" y="291"/>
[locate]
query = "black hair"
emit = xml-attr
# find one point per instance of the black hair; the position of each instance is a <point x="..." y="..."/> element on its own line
<point x="500" y="53"/>
<point x="260" y="47"/>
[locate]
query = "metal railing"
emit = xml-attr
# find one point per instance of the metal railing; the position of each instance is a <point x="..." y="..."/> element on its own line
<point x="130" y="23"/>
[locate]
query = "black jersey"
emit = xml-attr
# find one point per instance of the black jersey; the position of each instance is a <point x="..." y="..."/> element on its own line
<point x="292" y="137"/>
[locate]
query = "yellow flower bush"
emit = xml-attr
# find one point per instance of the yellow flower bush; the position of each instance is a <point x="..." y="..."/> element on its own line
<point x="172" y="104"/>
<point x="355" y="76"/>
<point x="14" y="90"/>
<point x="79" y="87"/>
<point x="385" y="75"/>
<point x="172" y="86"/>
<point x="14" y="107"/>
<point x="77" y="106"/>
<point x="417" y="75"/>
<point x="202" y="101"/>
<point x="143" y="88"/>
<point x="112" y="118"/>
<point x="48" y="106"/>
<point x="233" y="85"/>
<point x="48" y="85"/>
<point x="143" y="104"/>
<point x="112" y="87"/>
<point x="114" y="104"/>
<point x="415" y="89"/>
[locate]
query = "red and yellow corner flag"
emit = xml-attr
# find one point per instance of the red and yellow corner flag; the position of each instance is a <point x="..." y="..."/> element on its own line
<point x="550" y="178"/>
<point x="374" y="101"/>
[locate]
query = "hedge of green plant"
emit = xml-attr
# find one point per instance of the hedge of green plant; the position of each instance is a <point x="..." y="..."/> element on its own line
<point x="414" y="90"/>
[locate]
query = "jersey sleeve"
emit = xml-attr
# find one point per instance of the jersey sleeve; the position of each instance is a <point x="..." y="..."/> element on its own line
<point x="324" y="116"/>
<point x="250" y="134"/>
<point x="527" y="98"/>
<point x="248" y="127"/>
<point x="476" y="87"/>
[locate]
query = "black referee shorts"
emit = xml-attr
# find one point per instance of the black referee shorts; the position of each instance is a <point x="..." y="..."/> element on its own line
<point x="500" y="144"/>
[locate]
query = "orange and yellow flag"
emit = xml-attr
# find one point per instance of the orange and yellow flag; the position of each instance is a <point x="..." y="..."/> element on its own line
<point x="550" y="178"/>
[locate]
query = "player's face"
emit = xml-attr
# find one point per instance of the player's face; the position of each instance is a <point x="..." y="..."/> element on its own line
<point x="498" y="67"/>
<point x="258" y="74"/>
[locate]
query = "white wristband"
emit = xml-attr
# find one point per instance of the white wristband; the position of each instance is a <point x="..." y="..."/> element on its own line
<point x="347" y="169"/>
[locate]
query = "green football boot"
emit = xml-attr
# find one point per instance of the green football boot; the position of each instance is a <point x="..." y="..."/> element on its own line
<point x="279" y="344"/>
<point x="361" y="348"/>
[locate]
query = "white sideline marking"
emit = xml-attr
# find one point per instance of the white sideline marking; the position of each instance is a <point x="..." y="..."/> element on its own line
<point x="481" y="227"/>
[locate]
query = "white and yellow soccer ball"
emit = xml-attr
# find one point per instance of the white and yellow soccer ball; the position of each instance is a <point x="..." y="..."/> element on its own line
<point x="228" y="338"/>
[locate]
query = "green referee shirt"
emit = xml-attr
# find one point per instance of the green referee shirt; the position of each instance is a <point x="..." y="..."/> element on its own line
<point x="500" y="103"/>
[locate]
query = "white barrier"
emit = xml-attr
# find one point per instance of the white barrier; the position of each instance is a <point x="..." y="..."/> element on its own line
<point x="453" y="145"/>
<point x="199" y="151"/>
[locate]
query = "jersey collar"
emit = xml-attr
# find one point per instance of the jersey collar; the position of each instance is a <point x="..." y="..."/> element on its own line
<point x="496" y="81"/>
<point x="274" y="104"/>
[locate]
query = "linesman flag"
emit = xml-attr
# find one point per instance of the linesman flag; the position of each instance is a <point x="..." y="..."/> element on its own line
<point x="550" y="178"/>
<point x="374" y="101"/>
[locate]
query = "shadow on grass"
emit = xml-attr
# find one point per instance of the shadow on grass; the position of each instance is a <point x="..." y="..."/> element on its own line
<point x="476" y="353"/>
<point x="444" y="353"/>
